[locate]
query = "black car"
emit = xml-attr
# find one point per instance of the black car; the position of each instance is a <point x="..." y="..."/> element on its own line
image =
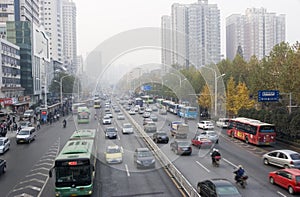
<point x="2" y="166"/>
<point x="217" y="188"/>
<point x="111" y="133"/>
<point x="181" y="147"/>
<point x="160" y="137"/>
<point x="143" y="158"/>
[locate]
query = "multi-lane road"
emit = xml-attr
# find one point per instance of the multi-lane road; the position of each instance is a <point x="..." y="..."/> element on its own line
<point x="28" y="164"/>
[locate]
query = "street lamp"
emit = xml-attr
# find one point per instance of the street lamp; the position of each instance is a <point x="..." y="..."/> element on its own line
<point x="60" y="83"/>
<point x="216" y="86"/>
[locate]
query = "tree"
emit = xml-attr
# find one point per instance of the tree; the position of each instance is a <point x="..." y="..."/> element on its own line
<point x="205" y="98"/>
<point x="230" y="98"/>
<point x="242" y="97"/>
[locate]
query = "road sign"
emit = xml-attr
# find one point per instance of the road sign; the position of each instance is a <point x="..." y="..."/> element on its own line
<point x="268" y="95"/>
<point x="147" y="87"/>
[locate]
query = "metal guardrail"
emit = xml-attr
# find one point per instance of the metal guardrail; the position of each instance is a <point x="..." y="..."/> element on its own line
<point x="184" y="184"/>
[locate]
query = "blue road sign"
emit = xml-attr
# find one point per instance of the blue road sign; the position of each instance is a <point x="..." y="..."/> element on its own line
<point x="147" y="87"/>
<point x="268" y="95"/>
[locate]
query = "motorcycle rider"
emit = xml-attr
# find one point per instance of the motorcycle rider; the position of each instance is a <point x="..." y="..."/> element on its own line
<point x="239" y="173"/>
<point x="64" y="123"/>
<point x="215" y="154"/>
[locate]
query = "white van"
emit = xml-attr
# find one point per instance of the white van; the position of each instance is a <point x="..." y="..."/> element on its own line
<point x="222" y="122"/>
<point x="26" y="135"/>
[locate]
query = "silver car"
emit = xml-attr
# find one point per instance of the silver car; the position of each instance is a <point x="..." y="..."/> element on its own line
<point x="212" y="135"/>
<point x="127" y="128"/>
<point x="282" y="158"/>
<point x="4" y="144"/>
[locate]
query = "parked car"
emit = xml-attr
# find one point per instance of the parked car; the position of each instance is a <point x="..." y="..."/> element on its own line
<point x="181" y="147"/>
<point x="111" y="133"/>
<point x="26" y="135"/>
<point x="205" y="124"/>
<point x="150" y="127"/>
<point x="210" y="134"/>
<point x="114" y="154"/>
<point x="286" y="178"/>
<point x="222" y="122"/>
<point x="153" y="118"/>
<point x="202" y="142"/>
<point x="217" y="188"/>
<point x="4" y="144"/>
<point x="2" y="166"/>
<point x="160" y="137"/>
<point x="127" y="128"/>
<point x="282" y="158"/>
<point x="106" y="120"/>
<point x="143" y="158"/>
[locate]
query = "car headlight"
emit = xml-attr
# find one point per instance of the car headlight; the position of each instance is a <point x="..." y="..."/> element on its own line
<point x="153" y="161"/>
<point x="138" y="161"/>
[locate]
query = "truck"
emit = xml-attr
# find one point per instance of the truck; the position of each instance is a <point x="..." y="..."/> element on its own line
<point x="179" y="129"/>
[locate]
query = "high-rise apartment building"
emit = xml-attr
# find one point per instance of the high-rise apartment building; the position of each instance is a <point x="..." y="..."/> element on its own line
<point x="69" y="35"/>
<point x="51" y="19"/>
<point x="195" y="37"/>
<point x="256" y="33"/>
<point x="166" y="40"/>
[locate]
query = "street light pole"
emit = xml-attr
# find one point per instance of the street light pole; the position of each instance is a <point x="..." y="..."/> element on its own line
<point x="61" y="96"/>
<point x="216" y="88"/>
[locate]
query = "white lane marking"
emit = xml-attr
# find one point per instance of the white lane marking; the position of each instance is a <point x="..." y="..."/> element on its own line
<point x="230" y="163"/>
<point x="278" y="192"/>
<point x="202" y="166"/>
<point x="128" y="174"/>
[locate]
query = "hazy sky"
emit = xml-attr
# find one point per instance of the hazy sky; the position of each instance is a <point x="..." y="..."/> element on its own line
<point x="98" y="20"/>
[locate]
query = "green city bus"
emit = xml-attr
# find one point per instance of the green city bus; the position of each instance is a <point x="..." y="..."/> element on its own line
<point x="83" y="115"/>
<point x="75" y="165"/>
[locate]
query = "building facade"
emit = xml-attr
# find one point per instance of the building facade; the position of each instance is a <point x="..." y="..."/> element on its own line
<point x="256" y="32"/>
<point x="51" y="19"/>
<point x="10" y="70"/>
<point x="69" y="38"/>
<point x="166" y="34"/>
<point x="195" y="37"/>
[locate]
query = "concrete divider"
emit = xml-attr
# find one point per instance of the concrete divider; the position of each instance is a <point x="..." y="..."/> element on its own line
<point x="183" y="183"/>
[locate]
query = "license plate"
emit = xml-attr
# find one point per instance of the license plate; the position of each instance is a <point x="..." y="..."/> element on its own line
<point x="73" y="190"/>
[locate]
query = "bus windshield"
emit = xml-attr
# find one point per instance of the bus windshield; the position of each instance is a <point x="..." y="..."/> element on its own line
<point x="66" y="176"/>
<point x="267" y="129"/>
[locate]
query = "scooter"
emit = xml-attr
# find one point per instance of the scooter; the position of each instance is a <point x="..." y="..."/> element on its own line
<point x="242" y="181"/>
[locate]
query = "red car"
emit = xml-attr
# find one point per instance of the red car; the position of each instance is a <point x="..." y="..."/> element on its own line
<point x="286" y="178"/>
<point x="201" y="141"/>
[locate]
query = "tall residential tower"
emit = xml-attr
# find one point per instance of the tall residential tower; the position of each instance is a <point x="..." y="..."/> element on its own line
<point x="256" y="33"/>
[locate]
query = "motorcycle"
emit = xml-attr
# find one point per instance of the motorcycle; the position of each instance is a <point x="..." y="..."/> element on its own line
<point x="216" y="161"/>
<point x="242" y="181"/>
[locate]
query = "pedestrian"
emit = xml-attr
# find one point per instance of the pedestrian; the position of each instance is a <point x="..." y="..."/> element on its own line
<point x="38" y="125"/>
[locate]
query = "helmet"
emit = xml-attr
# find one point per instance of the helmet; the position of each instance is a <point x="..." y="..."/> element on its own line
<point x="240" y="166"/>
<point x="214" y="149"/>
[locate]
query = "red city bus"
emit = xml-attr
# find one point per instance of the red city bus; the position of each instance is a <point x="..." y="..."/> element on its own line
<point x="252" y="131"/>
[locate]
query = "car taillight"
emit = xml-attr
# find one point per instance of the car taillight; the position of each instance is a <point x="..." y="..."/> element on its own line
<point x="291" y="162"/>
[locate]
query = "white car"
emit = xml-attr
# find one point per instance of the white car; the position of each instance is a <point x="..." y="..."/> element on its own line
<point x="127" y="128"/>
<point x="4" y="144"/>
<point x="205" y="124"/>
<point x="106" y="119"/>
